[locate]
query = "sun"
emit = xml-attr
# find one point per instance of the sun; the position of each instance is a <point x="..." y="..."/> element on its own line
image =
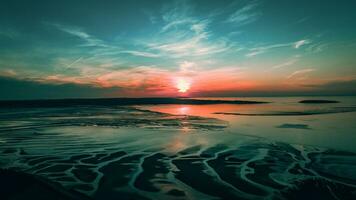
<point x="183" y="85"/>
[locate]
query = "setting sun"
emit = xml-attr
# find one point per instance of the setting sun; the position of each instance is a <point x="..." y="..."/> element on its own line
<point x="183" y="85"/>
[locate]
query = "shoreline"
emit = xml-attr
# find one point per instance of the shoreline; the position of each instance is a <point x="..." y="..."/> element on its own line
<point x="117" y="102"/>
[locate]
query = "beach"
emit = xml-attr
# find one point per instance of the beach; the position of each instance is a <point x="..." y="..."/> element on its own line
<point x="227" y="148"/>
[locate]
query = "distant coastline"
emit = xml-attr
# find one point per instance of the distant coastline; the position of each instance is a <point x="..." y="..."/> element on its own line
<point x="117" y="102"/>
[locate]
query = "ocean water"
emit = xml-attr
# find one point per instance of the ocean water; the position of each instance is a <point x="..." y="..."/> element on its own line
<point x="280" y="150"/>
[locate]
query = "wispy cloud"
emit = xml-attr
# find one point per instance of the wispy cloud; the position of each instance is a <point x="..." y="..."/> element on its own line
<point x="74" y="62"/>
<point x="77" y="32"/>
<point x="9" y="33"/>
<point x="300" y="73"/>
<point x="301" y="43"/>
<point x="318" y="47"/>
<point x="136" y="77"/>
<point x="245" y="15"/>
<point x="302" y="20"/>
<point x="141" y="53"/>
<point x="191" y="47"/>
<point x="287" y="63"/>
<point x="186" y="66"/>
<point x="194" y="41"/>
<point x="254" y="53"/>
<point x="182" y="33"/>
<point x="139" y="78"/>
<point x="263" y="49"/>
<point x="177" y="14"/>
<point x="102" y="48"/>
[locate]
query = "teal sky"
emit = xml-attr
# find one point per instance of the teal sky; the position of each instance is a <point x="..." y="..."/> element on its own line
<point x="62" y="49"/>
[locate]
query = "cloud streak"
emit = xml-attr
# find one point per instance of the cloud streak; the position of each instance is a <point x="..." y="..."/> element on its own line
<point x="300" y="73"/>
<point x="245" y="15"/>
<point x="263" y="49"/>
<point x="301" y="43"/>
<point x="286" y="64"/>
<point x="194" y="40"/>
<point x="89" y="41"/>
<point x="142" y="53"/>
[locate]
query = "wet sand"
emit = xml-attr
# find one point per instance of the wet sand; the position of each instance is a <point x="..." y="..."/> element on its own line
<point x="251" y="171"/>
<point x="105" y="152"/>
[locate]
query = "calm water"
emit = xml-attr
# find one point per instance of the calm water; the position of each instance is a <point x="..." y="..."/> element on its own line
<point x="334" y="130"/>
<point x="261" y="151"/>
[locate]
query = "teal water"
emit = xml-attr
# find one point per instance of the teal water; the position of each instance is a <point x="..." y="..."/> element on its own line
<point x="332" y="126"/>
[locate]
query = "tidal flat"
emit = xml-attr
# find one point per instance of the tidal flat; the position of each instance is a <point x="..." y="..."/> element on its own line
<point x="184" y="151"/>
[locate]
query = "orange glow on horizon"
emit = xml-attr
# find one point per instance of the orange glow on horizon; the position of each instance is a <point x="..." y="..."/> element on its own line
<point x="151" y="82"/>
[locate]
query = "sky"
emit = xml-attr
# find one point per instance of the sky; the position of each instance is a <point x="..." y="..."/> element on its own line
<point x="193" y="48"/>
